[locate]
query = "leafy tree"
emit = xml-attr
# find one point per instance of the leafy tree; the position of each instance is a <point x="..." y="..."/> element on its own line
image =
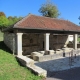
<point x="10" y="18"/>
<point x="20" y="18"/>
<point x="13" y="20"/>
<point x="3" y="22"/>
<point x="2" y="14"/>
<point x="48" y="9"/>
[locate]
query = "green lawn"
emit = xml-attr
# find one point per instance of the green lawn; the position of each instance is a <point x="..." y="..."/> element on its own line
<point x="1" y="36"/>
<point x="10" y="69"/>
<point x="79" y="39"/>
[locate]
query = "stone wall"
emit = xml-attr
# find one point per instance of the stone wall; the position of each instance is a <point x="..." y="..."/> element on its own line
<point x="32" y="42"/>
<point x="35" y="42"/>
<point x="9" y="40"/>
<point x="70" y="45"/>
<point x="58" y="41"/>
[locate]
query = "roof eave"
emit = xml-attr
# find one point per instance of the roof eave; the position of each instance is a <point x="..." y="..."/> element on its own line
<point x="28" y="28"/>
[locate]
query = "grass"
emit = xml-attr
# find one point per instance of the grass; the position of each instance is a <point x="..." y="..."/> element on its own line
<point x="79" y="39"/>
<point x="10" y="68"/>
<point x="1" y="36"/>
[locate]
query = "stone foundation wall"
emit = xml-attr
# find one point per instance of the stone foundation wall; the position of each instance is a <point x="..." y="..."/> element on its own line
<point x="9" y="40"/>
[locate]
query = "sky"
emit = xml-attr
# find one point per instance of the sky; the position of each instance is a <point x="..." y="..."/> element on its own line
<point x="68" y="9"/>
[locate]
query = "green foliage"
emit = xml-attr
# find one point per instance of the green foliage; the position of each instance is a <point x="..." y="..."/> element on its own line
<point x="10" y="68"/>
<point x="48" y="9"/>
<point x="3" y="22"/>
<point x="2" y="14"/>
<point x="13" y="20"/>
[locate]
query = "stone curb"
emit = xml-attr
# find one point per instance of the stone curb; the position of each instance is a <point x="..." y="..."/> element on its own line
<point x="29" y="63"/>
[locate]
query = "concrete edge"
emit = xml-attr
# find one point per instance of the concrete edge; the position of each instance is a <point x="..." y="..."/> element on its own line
<point x="29" y="63"/>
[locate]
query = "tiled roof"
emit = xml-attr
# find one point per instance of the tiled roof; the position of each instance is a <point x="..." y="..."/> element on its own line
<point x="46" y="23"/>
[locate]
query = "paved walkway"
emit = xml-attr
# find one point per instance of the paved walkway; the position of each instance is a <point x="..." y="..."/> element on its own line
<point x="62" y="68"/>
<point x="72" y="74"/>
<point x="59" y="64"/>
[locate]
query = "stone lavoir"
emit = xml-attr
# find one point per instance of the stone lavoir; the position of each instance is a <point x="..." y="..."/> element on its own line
<point x="42" y="35"/>
<point x="35" y="42"/>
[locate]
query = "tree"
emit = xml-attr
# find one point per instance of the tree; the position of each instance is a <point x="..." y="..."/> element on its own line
<point x="2" y="14"/>
<point x="3" y="22"/>
<point x="13" y="20"/>
<point x="48" y="9"/>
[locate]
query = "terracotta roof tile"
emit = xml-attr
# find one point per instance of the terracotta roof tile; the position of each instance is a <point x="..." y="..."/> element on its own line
<point x="46" y="23"/>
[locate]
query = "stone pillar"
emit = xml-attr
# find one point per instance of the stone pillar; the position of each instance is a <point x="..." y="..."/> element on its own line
<point x="19" y="43"/>
<point x="46" y="41"/>
<point x="75" y="41"/>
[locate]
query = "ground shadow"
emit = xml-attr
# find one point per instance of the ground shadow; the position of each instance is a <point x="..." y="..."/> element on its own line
<point x="71" y="74"/>
<point x="4" y="47"/>
<point x="69" y="71"/>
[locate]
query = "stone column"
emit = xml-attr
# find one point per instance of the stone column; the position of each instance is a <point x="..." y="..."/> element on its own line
<point x="75" y="41"/>
<point x="46" y="41"/>
<point x="19" y="43"/>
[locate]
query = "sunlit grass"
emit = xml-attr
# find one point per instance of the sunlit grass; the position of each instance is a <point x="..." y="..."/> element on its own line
<point x="79" y="39"/>
<point x="10" y="68"/>
<point x="1" y="36"/>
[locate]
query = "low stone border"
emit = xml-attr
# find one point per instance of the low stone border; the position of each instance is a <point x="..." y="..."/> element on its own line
<point x="37" y="70"/>
<point x="57" y="55"/>
<point x="25" y="60"/>
<point x="29" y="63"/>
